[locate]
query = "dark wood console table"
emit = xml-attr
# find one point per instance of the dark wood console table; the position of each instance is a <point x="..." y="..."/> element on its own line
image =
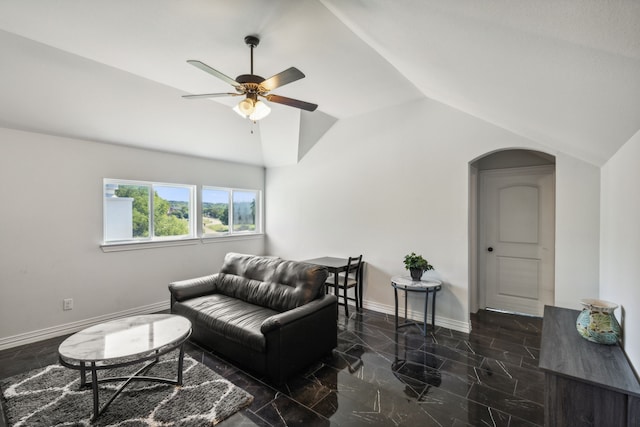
<point x="586" y="384"/>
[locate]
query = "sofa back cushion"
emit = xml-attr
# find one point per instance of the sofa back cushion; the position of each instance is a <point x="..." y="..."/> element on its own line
<point x="252" y="267"/>
<point x="270" y="282"/>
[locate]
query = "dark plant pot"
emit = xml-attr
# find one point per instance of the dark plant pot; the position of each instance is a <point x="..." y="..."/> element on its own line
<point x="416" y="273"/>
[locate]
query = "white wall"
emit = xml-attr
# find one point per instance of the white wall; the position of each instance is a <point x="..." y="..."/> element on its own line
<point x="577" y="231"/>
<point x="397" y="180"/>
<point x="51" y="230"/>
<point x="620" y="242"/>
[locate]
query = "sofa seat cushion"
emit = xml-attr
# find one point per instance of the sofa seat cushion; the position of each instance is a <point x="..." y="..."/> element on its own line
<point x="233" y="318"/>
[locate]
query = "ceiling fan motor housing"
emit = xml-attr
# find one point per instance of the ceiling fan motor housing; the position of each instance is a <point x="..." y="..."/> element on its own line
<point x="252" y="41"/>
<point x="249" y="78"/>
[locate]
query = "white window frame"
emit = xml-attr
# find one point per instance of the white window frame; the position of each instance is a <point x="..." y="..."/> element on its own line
<point x="193" y="212"/>
<point x="231" y="232"/>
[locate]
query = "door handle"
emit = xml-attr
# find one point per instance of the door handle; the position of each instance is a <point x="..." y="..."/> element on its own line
<point x="490" y="249"/>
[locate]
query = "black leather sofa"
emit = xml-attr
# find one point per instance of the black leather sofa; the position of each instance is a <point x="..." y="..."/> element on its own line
<point x="268" y="315"/>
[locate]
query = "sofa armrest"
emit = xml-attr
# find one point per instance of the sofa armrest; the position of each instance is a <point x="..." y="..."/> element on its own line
<point x="281" y="319"/>
<point x="191" y="288"/>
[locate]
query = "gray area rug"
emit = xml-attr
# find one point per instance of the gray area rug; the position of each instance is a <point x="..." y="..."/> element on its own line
<point x="50" y="396"/>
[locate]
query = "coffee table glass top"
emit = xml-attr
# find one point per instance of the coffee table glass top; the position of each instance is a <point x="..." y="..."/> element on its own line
<point x="128" y="337"/>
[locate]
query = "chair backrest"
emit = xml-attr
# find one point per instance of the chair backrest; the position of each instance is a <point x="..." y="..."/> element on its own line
<point x="354" y="269"/>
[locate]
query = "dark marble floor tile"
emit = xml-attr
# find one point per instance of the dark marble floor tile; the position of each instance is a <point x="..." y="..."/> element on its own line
<point x="487" y="377"/>
<point x="508" y="403"/>
<point x="444" y="380"/>
<point x="415" y="355"/>
<point x="305" y="390"/>
<point x="495" y="319"/>
<point x="411" y="339"/>
<point x="514" y="337"/>
<point x="343" y="411"/>
<point x="262" y="393"/>
<point x="513" y="348"/>
<point x="441" y="332"/>
<point x="478" y="339"/>
<point x="284" y="411"/>
<point x="533" y="341"/>
<point x="529" y="381"/>
<point x="482" y="350"/>
<point x="245" y="419"/>
<point x="374" y="342"/>
<point x="447" y="409"/>
<point x="459" y="354"/>
<point x="518" y="373"/>
<point x="519" y="422"/>
<point x="378" y="320"/>
<point x="30" y="356"/>
<point x="386" y="403"/>
<point x="446" y="340"/>
<point x="349" y="359"/>
<point x="531" y="390"/>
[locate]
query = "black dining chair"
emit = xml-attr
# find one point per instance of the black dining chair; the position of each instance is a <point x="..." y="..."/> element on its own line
<point x="350" y="278"/>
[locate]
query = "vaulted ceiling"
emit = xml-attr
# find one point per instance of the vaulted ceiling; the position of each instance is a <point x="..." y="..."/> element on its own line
<point x="563" y="73"/>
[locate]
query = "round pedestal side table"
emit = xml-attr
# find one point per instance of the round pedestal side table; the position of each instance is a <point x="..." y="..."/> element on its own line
<point x="427" y="287"/>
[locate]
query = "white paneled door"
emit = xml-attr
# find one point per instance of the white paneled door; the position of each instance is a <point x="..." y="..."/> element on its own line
<point x="517" y="238"/>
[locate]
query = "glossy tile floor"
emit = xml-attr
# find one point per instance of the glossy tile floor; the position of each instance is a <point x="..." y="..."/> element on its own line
<point x="381" y="377"/>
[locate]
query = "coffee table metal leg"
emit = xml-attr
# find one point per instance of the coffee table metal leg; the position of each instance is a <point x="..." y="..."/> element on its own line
<point x="83" y="374"/>
<point x="180" y="364"/>
<point x="94" y="387"/>
<point x="137" y="376"/>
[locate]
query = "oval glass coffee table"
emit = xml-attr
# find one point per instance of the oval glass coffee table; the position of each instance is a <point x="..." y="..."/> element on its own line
<point x="124" y="342"/>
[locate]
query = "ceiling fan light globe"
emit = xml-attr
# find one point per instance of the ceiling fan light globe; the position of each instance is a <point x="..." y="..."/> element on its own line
<point x="246" y="106"/>
<point x="261" y="111"/>
<point x="240" y="113"/>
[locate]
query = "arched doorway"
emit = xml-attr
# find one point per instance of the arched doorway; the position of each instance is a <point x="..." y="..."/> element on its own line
<point x="512" y="231"/>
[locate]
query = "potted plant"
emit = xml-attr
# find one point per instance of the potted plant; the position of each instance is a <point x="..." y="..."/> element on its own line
<point x="416" y="265"/>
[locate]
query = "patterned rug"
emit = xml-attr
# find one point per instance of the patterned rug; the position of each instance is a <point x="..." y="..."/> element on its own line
<point x="50" y="396"/>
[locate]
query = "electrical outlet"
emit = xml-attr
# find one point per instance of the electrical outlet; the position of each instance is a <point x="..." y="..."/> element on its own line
<point x="67" y="304"/>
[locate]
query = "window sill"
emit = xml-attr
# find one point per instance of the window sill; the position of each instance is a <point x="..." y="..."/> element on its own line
<point x="220" y="239"/>
<point x="134" y="246"/>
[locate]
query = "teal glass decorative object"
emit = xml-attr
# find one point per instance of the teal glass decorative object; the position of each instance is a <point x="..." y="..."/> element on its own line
<point x="597" y="323"/>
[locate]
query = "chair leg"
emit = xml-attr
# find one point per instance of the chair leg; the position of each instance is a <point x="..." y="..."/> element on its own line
<point x="346" y="302"/>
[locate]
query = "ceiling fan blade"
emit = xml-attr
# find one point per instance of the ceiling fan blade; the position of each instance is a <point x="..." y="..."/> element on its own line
<point x="210" y="95"/>
<point x="204" y="67"/>
<point x="291" y="102"/>
<point x="285" y="77"/>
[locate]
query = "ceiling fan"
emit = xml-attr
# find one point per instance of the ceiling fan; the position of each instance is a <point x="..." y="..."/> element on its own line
<point x="253" y="86"/>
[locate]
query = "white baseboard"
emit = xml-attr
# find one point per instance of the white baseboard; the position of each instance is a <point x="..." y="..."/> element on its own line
<point x="445" y="322"/>
<point x="69" y="328"/>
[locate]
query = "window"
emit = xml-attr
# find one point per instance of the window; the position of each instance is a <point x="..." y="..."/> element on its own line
<point x="147" y="211"/>
<point x="215" y="211"/>
<point x="228" y="211"/>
